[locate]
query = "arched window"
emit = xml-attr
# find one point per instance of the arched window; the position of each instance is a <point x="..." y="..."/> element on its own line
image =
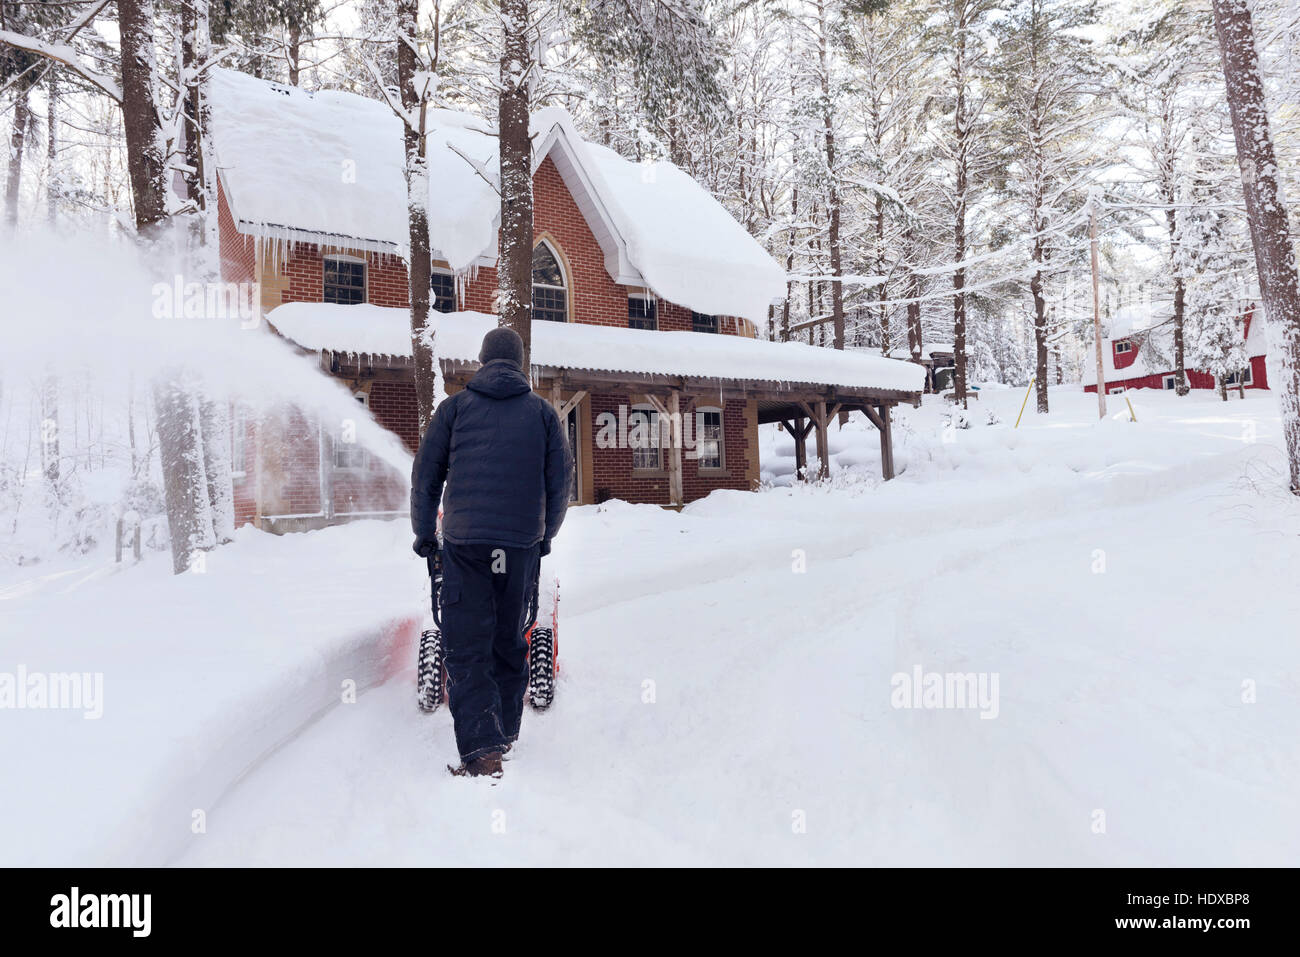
<point x="550" y="292"/>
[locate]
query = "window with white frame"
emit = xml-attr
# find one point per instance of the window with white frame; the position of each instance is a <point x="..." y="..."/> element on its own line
<point x="1118" y="390"/>
<point x="1237" y="378"/>
<point x="238" y="433"/>
<point x="643" y="439"/>
<point x="1170" y="382"/>
<point x="1123" y="346"/>
<point x="442" y="290"/>
<point x="708" y="438"/>
<point x="550" y="291"/>
<point x="348" y="453"/>
<point x="345" y="280"/>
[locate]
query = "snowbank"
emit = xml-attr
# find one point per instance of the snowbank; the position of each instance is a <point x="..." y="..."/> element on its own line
<point x="569" y="345"/>
<point x="327" y="166"/>
<point x="191" y="701"/>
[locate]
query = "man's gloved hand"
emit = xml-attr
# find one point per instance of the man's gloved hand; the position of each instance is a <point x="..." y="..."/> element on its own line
<point x="545" y="546"/>
<point x="424" y="547"/>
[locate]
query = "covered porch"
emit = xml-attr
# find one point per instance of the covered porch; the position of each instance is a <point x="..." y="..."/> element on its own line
<point x="805" y="410"/>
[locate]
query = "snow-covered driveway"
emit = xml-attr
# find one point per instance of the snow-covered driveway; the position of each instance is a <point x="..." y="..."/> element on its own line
<point x="1132" y="587"/>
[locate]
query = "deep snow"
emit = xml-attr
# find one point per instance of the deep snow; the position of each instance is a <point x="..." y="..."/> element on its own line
<point x="1125" y="581"/>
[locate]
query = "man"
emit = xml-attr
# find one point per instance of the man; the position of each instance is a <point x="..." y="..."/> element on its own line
<point x="503" y="457"/>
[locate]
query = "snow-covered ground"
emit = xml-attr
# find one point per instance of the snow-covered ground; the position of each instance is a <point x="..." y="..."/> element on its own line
<point x="728" y="682"/>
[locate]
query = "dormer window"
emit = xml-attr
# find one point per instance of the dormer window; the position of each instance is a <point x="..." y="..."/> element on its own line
<point x="1123" y="346"/>
<point x="550" y="291"/>
<point x="345" y="280"/>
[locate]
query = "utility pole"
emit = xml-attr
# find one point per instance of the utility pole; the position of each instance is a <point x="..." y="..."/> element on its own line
<point x="1094" y="201"/>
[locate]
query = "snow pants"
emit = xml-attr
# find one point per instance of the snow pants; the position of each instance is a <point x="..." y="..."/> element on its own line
<point x="485" y="593"/>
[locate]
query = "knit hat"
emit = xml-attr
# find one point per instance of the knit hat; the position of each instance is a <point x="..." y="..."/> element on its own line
<point x="502" y="343"/>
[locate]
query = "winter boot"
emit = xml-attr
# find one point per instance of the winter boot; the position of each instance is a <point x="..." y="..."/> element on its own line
<point x="487" y="765"/>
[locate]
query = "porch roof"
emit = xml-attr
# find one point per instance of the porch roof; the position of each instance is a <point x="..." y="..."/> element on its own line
<point x="591" y="357"/>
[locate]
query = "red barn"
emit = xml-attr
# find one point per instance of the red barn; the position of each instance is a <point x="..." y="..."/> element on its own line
<point x="1136" y="355"/>
<point x="647" y="300"/>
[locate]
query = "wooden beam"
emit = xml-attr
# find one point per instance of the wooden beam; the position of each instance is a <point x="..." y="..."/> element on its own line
<point x="823" y="441"/>
<point x="886" y="444"/>
<point x="675" y="490"/>
<point x="800" y="447"/>
<point x="871" y="414"/>
<point x="571" y="403"/>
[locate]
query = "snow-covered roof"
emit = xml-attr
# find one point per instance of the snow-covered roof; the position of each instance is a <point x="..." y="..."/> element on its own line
<point x="327" y="166"/>
<point x="379" y="330"/>
<point x="1131" y="319"/>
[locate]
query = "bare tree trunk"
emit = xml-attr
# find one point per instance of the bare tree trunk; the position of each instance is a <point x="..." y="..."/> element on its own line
<point x="214" y="423"/>
<point x="185" y="480"/>
<point x="789" y="265"/>
<point x="832" y="191"/>
<point x="961" y="137"/>
<point x="1265" y="206"/>
<point x="17" y="146"/>
<point x="50" y="429"/>
<point x="145" y="159"/>
<point x="515" y="263"/>
<point x="1180" y="339"/>
<point x="419" y="268"/>
<point x="180" y="442"/>
<point x="914" y="316"/>
<point x="295" y="53"/>
<point x="882" y="291"/>
<point x="1180" y="288"/>
<point x="1040" y="327"/>
<point x="52" y="184"/>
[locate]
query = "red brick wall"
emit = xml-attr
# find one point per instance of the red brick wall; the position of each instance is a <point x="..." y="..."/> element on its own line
<point x="245" y="485"/>
<point x="238" y="252"/>
<point x="297" y="470"/>
<point x="612" y="475"/>
<point x="594" y="297"/>
<point x="238" y="264"/>
<point x="395" y="407"/>
<point x="304" y="264"/>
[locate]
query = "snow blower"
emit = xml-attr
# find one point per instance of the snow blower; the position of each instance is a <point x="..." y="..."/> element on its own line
<point x="540" y="634"/>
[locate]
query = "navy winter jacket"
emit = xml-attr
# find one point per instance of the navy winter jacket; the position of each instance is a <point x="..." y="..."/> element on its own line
<point x="503" y="456"/>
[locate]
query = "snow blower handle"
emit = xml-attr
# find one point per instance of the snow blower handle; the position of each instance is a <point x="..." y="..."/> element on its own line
<point x="435" y="591"/>
<point x="535" y="605"/>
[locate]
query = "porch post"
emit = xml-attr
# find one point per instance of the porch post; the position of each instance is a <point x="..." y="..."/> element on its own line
<point x="800" y="434"/>
<point x="675" y="493"/>
<point x="886" y="443"/>
<point x="823" y="445"/>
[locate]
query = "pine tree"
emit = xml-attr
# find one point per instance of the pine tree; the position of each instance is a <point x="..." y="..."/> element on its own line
<point x="1048" y="93"/>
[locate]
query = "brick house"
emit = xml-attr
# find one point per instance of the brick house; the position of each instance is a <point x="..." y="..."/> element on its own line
<point x="647" y="298"/>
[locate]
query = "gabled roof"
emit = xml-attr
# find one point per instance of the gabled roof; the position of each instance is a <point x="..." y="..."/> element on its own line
<point x="376" y="330"/>
<point x="327" y="167"/>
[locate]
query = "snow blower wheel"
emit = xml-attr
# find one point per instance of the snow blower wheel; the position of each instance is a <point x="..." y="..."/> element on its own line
<point x="541" y="668"/>
<point x="430" y="677"/>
